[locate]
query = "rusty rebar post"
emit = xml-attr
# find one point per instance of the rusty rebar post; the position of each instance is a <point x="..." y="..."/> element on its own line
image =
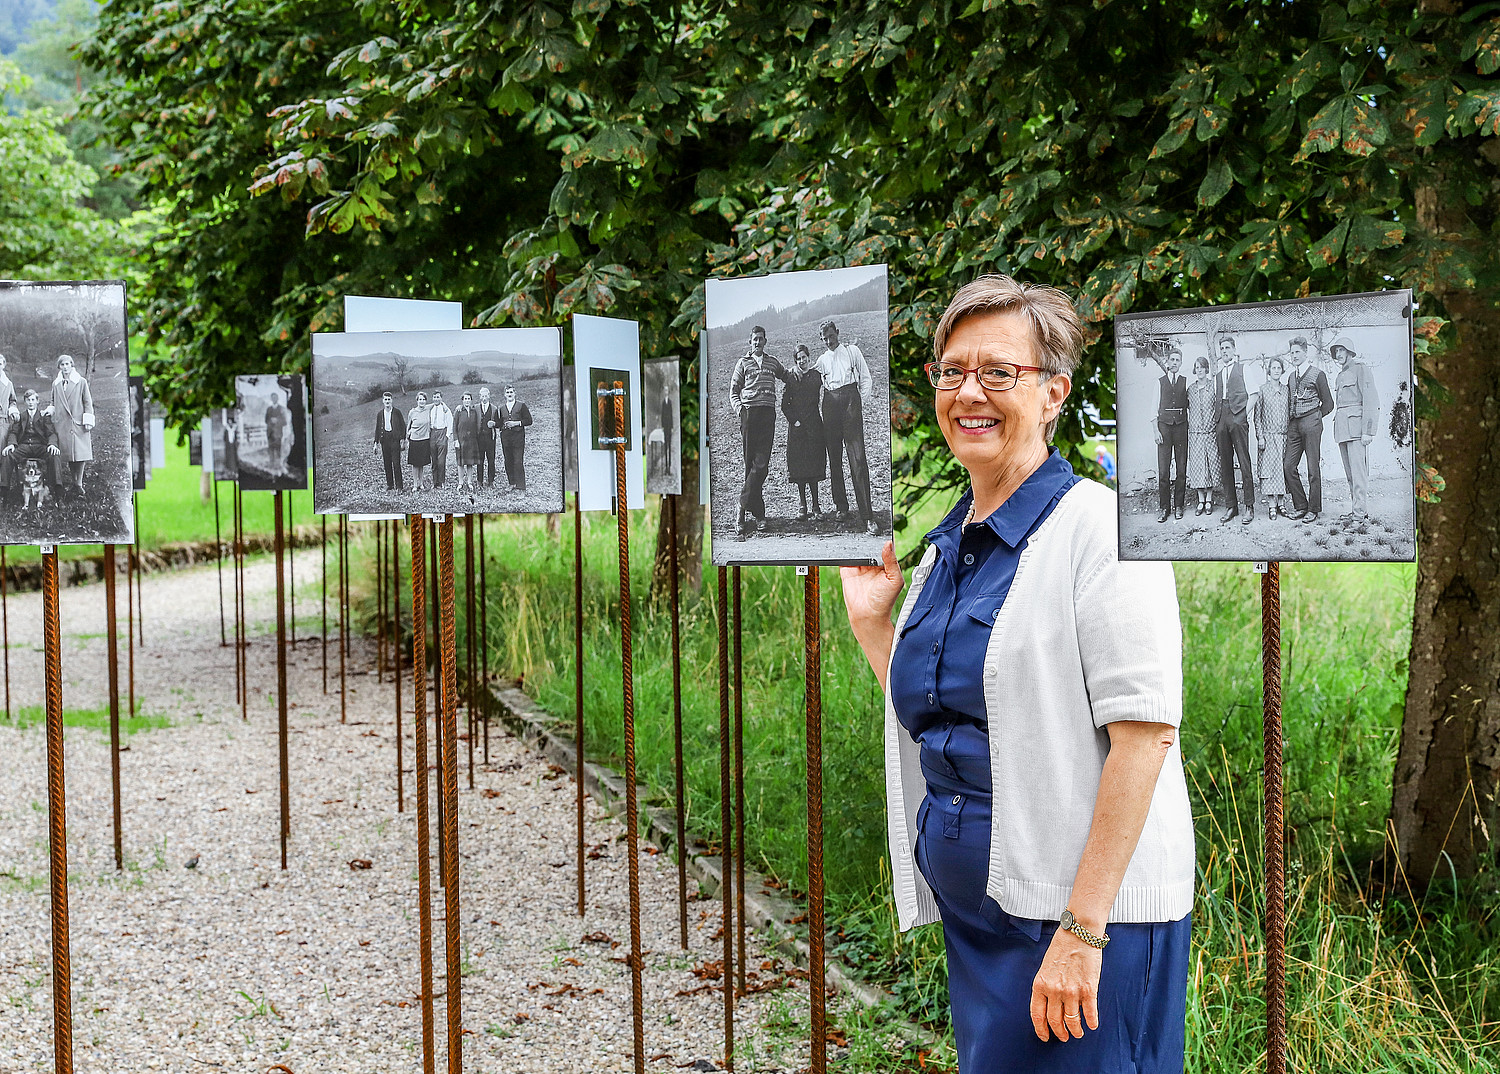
<point x="5" y="626"/>
<point x="395" y="561"/>
<point x="57" y="822"/>
<point x="234" y="581"/>
<point x="726" y="819"/>
<point x="1275" y="925"/>
<point x="140" y="590"/>
<point x="419" y="718"/>
<point x="281" y="720"/>
<point x="343" y="617"/>
<point x="439" y="691"/>
<point x="244" y="653"/>
<point x="219" y="560"/>
<point x="379" y="601"/>
<point x="578" y="682"/>
<point x="112" y="631"/>
<point x="291" y="573"/>
<point x="323" y="597"/>
<point x="677" y="773"/>
<point x="739" y="787"/>
<point x="450" y="794"/>
<point x="816" y="929"/>
<point x="130" y="626"/>
<point x="469" y="672"/>
<point x="484" y="645"/>
<point x="627" y="683"/>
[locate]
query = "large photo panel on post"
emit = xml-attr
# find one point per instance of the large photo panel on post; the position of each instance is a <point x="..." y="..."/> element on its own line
<point x="606" y="350"/>
<point x="272" y="422"/>
<point x="798" y="413"/>
<point x="438" y="422"/>
<point x="65" y="463"/>
<point x="1268" y="431"/>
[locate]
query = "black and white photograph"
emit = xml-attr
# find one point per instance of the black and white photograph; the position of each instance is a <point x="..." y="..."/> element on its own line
<point x="438" y="422"/>
<point x="570" y="433"/>
<point x="195" y="447"/>
<point x="661" y="408"/>
<point x="140" y="457"/>
<point x="224" y="443"/>
<point x="65" y="467"/>
<point x="271" y="422"/>
<point x="798" y="390"/>
<point x="1268" y="431"/>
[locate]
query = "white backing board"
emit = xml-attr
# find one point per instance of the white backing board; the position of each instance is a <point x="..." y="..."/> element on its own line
<point x="611" y="343"/>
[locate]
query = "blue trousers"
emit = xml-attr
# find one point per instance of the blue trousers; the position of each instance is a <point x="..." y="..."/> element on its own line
<point x="993" y="959"/>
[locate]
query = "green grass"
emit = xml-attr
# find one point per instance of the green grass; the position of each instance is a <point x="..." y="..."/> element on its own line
<point x="172" y="510"/>
<point x="98" y="719"/>
<point x="1376" y="983"/>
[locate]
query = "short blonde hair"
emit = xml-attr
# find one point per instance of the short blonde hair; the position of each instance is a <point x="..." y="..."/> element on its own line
<point x="1056" y="331"/>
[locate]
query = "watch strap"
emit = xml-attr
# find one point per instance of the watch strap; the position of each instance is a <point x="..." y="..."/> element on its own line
<point x="1071" y="924"/>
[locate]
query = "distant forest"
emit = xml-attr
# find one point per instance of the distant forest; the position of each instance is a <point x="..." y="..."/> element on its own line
<point x="16" y="17"/>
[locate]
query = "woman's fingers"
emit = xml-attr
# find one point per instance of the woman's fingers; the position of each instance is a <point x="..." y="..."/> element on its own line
<point x="1055" y="1017"/>
<point x="1091" y="1010"/>
<point x="1039" y="1013"/>
<point x="888" y="561"/>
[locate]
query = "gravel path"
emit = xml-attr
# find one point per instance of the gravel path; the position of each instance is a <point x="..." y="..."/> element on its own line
<point x="235" y="965"/>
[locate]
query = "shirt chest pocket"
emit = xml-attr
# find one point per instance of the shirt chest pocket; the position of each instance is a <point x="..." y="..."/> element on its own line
<point x="984" y="609"/>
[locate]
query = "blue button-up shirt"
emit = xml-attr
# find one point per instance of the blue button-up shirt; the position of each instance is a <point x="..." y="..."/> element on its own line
<point x="937" y="675"/>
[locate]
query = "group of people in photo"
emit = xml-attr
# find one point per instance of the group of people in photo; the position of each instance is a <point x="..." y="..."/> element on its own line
<point x="46" y="448"/>
<point x="823" y="404"/>
<point x="469" y="435"/>
<point x="1205" y="426"/>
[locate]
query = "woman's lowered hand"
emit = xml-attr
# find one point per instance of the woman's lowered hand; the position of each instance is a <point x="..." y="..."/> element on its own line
<point x="1065" y="993"/>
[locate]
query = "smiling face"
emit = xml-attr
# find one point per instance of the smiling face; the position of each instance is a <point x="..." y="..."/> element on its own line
<point x="990" y="431"/>
<point x="831" y="336"/>
<point x="421" y="399"/>
<point x="484" y="396"/>
<point x="65" y="366"/>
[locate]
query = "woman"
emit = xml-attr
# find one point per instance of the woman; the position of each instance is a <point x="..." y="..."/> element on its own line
<point x="72" y="414"/>
<point x="1033" y="678"/>
<point x="1273" y="410"/>
<point x="466" y="432"/>
<point x="418" y="440"/>
<point x="806" y="445"/>
<point x="1203" y="451"/>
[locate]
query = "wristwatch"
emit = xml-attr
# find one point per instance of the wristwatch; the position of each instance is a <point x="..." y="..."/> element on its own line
<point x="1070" y="923"/>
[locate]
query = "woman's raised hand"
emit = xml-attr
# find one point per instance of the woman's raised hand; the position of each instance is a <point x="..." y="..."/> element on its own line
<point x="870" y="592"/>
<point x="869" y="595"/>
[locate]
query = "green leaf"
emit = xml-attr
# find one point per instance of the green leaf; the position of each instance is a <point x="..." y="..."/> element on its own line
<point x="1216" y="183"/>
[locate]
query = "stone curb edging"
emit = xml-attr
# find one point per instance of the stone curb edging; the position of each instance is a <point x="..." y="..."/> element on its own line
<point x="768" y="912"/>
<point x="27" y="577"/>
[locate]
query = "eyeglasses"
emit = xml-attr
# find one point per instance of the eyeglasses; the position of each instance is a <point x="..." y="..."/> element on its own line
<point x="996" y="378"/>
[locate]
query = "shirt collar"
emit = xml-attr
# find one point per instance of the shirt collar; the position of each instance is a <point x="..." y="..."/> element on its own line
<point x="1016" y="517"/>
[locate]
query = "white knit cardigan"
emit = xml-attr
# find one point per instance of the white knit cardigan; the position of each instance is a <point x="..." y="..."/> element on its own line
<point x="1081" y="641"/>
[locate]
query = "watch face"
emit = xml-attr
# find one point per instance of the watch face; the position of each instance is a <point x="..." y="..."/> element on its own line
<point x="1068" y="920"/>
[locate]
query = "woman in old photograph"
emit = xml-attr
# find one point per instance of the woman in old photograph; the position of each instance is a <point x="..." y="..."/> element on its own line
<point x="806" y="446"/>
<point x="1035" y="683"/>
<point x="1273" y="410"/>
<point x="1203" y="451"/>
<point x="419" y="440"/>
<point x="72" y="414"/>
<point x="466" y="432"/>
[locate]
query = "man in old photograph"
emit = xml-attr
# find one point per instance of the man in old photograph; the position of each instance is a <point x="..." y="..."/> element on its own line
<point x="846" y="386"/>
<point x="390" y="431"/>
<point x="1356" y="411"/>
<point x="440" y="419"/>
<point x="753" y="393"/>
<point x="489" y="437"/>
<point x="32" y="437"/>
<point x="515" y="419"/>
<point x="1172" y="434"/>
<point x="1311" y="402"/>
<point x="1233" y="433"/>
<point x="278" y="421"/>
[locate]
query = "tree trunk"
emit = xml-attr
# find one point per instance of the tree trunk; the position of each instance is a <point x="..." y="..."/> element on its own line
<point x="689" y="537"/>
<point x="1444" y="808"/>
